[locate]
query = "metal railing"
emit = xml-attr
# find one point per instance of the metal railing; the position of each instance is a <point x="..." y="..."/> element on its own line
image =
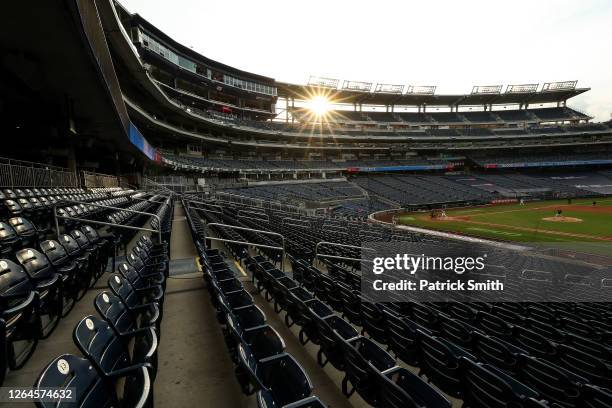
<point x="57" y="217"/>
<point x="90" y="179"/>
<point x="254" y="244"/>
<point x="345" y="258"/>
<point x="259" y="203"/>
<point x="19" y="173"/>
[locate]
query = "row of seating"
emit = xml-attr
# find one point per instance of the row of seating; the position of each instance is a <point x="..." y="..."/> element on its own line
<point x="40" y="282"/>
<point x="120" y="346"/>
<point x="262" y="365"/>
<point x="453" y="345"/>
<point x="454" y="350"/>
<point x="368" y="369"/>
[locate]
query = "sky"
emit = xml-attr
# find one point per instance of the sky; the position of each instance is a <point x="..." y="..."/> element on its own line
<point x="448" y="43"/>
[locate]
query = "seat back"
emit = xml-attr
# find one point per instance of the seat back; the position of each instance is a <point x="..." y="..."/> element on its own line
<point x="401" y="388"/>
<point x="402" y="338"/>
<point x="14" y="283"/>
<point x="249" y="363"/>
<point x="552" y="382"/>
<point x="55" y="253"/>
<point x="486" y="387"/>
<point x="12" y="207"/>
<point x="8" y="237"/>
<point x="100" y="344"/>
<point x="80" y="238"/>
<point x="69" y="371"/>
<point x="122" y="288"/>
<point x="35" y="264"/>
<point x="373" y="320"/>
<point x="91" y="234"/>
<point x="135" y="261"/>
<point x="24" y="229"/>
<point x="70" y="244"/>
<point x="130" y="274"/>
<point x="112" y="309"/>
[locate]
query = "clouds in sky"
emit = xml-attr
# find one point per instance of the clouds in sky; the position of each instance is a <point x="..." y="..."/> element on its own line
<point x="451" y="44"/>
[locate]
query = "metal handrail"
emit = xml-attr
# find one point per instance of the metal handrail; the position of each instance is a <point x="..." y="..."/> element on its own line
<point x="307" y="225"/>
<point x="217" y="224"/>
<point x="346" y="258"/>
<point x="189" y="202"/>
<point x="241" y="213"/>
<point x="55" y="216"/>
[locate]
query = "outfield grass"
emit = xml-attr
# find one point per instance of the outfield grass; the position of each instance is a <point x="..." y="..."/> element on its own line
<point x="524" y="223"/>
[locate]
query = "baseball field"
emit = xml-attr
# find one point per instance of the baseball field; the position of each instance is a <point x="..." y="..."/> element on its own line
<point x="536" y="221"/>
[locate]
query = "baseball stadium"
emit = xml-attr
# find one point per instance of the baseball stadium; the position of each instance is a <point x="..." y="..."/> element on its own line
<point x="181" y="228"/>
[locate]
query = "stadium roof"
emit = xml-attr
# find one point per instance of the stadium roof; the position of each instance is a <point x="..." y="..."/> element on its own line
<point x="137" y="19"/>
<point x="303" y="92"/>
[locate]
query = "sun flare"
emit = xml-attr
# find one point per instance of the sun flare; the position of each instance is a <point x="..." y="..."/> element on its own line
<point x="319" y="105"/>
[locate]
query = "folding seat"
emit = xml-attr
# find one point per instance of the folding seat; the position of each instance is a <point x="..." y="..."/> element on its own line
<point x="585" y="330"/>
<point x="245" y="316"/>
<point x="134" y="300"/>
<point x="425" y="315"/>
<point x="11" y="208"/>
<point x="402" y="337"/>
<point x="67" y="268"/>
<point x="351" y="308"/>
<point x="147" y="272"/>
<point x="488" y="387"/>
<point x="493" y="325"/>
<point x="533" y="343"/>
<point x="304" y="311"/>
<point x="82" y="259"/>
<point x="159" y="262"/>
<point x="497" y="352"/>
<point x="597" y="371"/>
<point x="9" y="194"/>
<point x="456" y="331"/>
<point x="263" y="340"/>
<point x="109" y="352"/>
<point x="121" y="319"/>
<point x="400" y="388"/>
<point x="596" y="397"/>
<point x="19" y="314"/>
<point x="363" y="359"/>
<point x="373" y="320"/>
<point x="332" y="293"/>
<point x="546" y="330"/>
<point x="262" y="273"/>
<point x="280" y="376"/>
<point x="552" y="382"/>
<point x="595" y="349"/>
<point x="103" y="245"/>
<point x="9" y="240"/>
<point x="293" y="311"/>
<point x="330" y="330"/>
<point x="48" y="284"/>
<point x="68" y="372"/>
<point x="265" y="399"/>
<point x="280" y="290"/>
<point x="25" y="230"/>
<point x="441" y="361"/>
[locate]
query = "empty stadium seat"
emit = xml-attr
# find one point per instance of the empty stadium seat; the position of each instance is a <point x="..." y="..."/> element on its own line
<point x="91" y="389"/>
<point x="281" y="375"/>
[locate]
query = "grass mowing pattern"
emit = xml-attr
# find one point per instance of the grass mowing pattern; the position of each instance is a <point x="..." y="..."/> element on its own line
<point x="524" y="223"/>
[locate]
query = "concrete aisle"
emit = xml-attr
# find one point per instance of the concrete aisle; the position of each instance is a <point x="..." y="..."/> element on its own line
<point x="194" y="366"/>
<point x="181" y="242"/>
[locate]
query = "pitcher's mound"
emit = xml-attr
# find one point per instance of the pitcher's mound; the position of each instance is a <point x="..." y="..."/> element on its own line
<point x="562" y="219"/>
